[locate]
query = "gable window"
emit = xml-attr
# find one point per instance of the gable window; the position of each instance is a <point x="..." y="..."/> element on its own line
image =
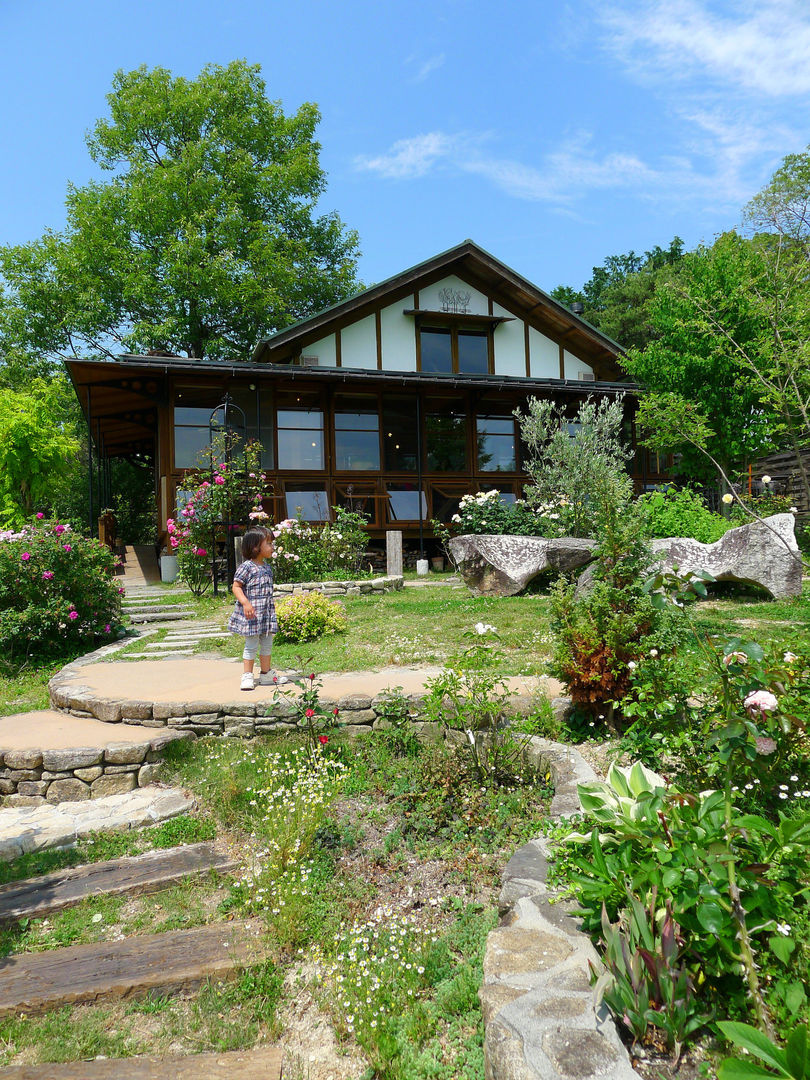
<point x="453" y="350"/>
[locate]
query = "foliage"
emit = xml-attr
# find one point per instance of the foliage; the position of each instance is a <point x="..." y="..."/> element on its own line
<point x="203" y="239"/>
<point x="644" y="981"/>
<point x="57" y="592"/>
<point x="306" y="552"/>
<point x="309" y="616"/>
<point x="601" y="632"/>
<point x="793" y="1062"/>
<point x="470" y="697"/>
<point x="37" y="445"/>
<point x="576" y="470"/>
<point x="680" y="512"/>
<point x="616" y="299"/>
<point x="226" y="493"/>
<point x="311" y="715"/>
<point x="395" y="721"/>
<point x="488" y="514"/>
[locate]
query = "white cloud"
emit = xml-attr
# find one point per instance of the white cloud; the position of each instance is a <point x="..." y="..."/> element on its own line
<point x="433" y="63"/>
<point x="408" y="159"/>
<point x="761" y="48"/>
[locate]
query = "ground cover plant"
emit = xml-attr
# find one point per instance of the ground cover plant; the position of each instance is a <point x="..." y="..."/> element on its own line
<point x="372" y="864"/>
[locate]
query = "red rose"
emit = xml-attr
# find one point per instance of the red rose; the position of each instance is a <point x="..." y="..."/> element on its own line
<point x="309" y="713"/>
<point x="323" y="739"/>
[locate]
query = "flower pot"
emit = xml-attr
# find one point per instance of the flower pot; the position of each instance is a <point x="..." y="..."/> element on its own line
<point x="437" y="563"/>
<point x="168" y="568"/>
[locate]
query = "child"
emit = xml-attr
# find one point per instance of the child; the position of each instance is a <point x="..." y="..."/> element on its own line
<point x="254" y="614"/>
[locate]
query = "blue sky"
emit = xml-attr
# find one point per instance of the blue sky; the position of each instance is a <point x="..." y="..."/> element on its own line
<point x="553" y="134"/>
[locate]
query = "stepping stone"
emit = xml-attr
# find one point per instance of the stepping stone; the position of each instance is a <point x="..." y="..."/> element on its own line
<point x="151" y="963"/>
<point x="157" y="656"/>
<point x="262" y="1063"/>
<point x="145" y="873"/>
<point x="162" y="616"/>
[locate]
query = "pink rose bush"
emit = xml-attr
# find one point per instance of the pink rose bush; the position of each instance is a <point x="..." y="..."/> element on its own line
<point x="56" y="598"/>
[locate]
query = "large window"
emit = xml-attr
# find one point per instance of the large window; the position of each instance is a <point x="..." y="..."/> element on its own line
<point x="357" y="433"/>
<point x="495" y="439"/>
<point x="307" y="501"/>
<point x="193" y="406"/>
<point x="300" y="432"/>
<point x="399" y="435"/>
<point x="445" y="436"/>
<point x="199" y="412"/>
<point x="450" y="350"/>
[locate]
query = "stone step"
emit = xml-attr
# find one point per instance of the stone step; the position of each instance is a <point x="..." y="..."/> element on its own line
<point x="157" y="656"/>
<point x="156" y="964"/>
<point x="163" y="616"/>
<point x="143" y="609"/>
<point x="137" y="874"/>
<point x="262" y="1063"/>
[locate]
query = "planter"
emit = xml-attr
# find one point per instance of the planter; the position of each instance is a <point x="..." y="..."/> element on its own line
<point x="168" y="568"/>
<point x="437" y="563"/>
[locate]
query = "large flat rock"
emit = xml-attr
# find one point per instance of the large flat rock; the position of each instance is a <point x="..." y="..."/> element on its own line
<point x="764" y="553"/>
<point x="504" y="565"/>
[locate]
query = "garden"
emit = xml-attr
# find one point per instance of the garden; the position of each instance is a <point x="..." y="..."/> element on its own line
<point x="370" y="863"/>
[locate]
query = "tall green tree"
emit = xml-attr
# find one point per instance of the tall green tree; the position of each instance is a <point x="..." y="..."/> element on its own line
<point x="204" y="237"/>
<point x="616" y="298"/>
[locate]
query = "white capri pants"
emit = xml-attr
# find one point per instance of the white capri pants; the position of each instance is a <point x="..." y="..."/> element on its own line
<point x="263" y="643"/>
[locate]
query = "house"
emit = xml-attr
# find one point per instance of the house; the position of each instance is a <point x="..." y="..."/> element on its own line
<point x="396" y="401"/>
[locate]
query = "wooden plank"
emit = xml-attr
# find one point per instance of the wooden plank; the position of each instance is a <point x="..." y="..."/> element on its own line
<point x="149" y="872"/>
<point x="263" y="1063"/>
<point x="152" y="963"/>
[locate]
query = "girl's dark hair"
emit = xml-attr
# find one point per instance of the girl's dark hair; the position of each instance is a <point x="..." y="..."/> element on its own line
<point x="252" y="541"/>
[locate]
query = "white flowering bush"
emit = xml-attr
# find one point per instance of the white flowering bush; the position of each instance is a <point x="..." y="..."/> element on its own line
<point x="303" y="551"/>
<point x="486" y="513"/>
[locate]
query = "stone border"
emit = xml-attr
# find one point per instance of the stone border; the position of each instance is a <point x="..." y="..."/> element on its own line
<point x="35" y="777"/>
<point x="363" y="587"/>
<point x="541" y="1020"/>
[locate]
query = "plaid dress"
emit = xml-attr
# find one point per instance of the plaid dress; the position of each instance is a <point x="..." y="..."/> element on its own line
<point x="257" y="581"/>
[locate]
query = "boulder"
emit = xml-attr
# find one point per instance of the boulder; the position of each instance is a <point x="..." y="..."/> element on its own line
<point x="763" y="553"/>
<point x="504" y="565"/>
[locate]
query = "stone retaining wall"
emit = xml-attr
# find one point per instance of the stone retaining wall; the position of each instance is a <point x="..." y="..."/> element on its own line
<point x="340" y="588"/>
<point x="34" y="777"/>
<point x="541" y="1020"/>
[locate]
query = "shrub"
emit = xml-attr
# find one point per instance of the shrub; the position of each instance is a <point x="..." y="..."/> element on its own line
<point x="305" y="618"/>
<point x="486" y="513"/>
<point x="57" y="591"/>
<point x="306" y="552"/>
<point x="681" y="512"/>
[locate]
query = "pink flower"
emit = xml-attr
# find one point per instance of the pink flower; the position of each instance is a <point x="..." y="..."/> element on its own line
<point x="761" y="701"/>
<point x="170" y="524"/>
<point x="58" y="529"/>
<point x="121" y="592"/>
<point x="202" y="552"/>
<point x="174" y="541"/>
<point x="67" y="547"/>
<point x="47" y="575"/>
<point x="40" y="516"/>
<point x="26" y="555"/>
<point x="107" y="629"/>
<point x="73" y="614"/>
<point x="219" y="479"/>
<point x="205" y="484"/>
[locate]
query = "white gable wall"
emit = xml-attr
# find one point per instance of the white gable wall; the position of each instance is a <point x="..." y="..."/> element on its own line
<point x="325" y="350"/>
<point x="510" y="345"/>
<point x="358" y="344"/>
<point x="398" y="341"/>
<point x="429" y="299"/>
<point x="545" y="356"/>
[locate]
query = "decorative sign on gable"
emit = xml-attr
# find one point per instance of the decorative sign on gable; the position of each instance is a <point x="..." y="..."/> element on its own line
<point x="455" y="300"/>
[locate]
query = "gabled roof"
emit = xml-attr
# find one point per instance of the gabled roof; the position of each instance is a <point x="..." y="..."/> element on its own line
<point x="480" y="270"/>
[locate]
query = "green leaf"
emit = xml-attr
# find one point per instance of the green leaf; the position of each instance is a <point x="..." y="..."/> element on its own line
<point x="711" y="918"/>
<point x="752" y="1040"/>
<point x="798" y="1053"/>
<point x="795" y="997"/>
<point x="781" y="947"/>
<point x="733" y="1069"/>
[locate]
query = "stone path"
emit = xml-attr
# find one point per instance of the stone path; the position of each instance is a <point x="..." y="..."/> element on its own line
<point x="132" y="875"/>
<point x="262" y="1063"/>
<point x="24" y="829"/>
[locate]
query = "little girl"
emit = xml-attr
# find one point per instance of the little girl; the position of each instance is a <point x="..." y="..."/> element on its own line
<point x="254" y="614"/>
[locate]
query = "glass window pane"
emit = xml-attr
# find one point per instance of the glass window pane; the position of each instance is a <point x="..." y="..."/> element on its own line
<point x="404" y="503"/>
<point x="356" y="411"/>
<point x="399" y="435"/>
<point x="311" y="505"/>
<point x="496" y="425"/>
<point x="473" y="352"/>
<point x="496" y="453"/>
<point x="300" y="449"/>
<point x="357" y="450"/>
<point x="446" y="437"/>
<point x="359" y="498"/>
<point x="436" y="351"/>
<point x="198" y="416"/>
<point x="300" y="418"/>
<point x="189" y="444"/>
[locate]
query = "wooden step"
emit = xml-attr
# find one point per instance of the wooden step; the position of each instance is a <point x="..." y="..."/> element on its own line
<point x="262" y="1063"/>
<point x="151" y="963"/>
<point x="153" y="870"/>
